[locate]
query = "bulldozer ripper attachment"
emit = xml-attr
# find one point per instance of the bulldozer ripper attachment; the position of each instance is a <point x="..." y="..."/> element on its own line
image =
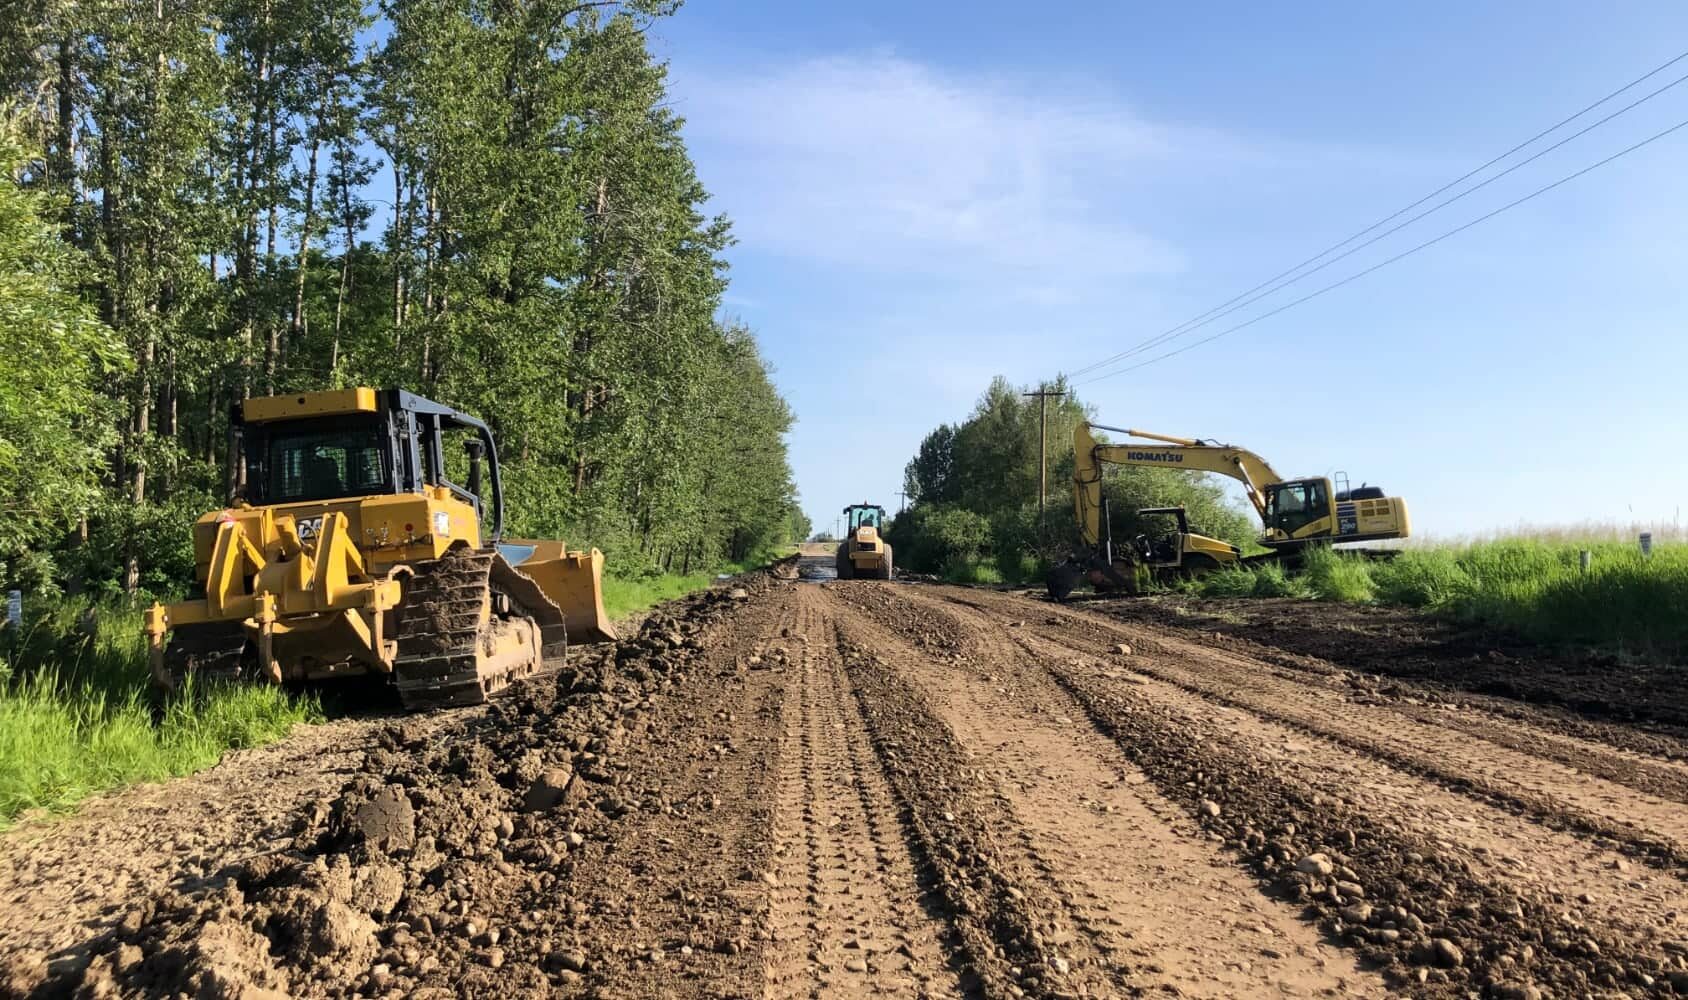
<point x="284" y="611"/>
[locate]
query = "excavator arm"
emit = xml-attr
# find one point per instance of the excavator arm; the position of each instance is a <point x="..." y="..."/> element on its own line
<point x="1254" y="472"/>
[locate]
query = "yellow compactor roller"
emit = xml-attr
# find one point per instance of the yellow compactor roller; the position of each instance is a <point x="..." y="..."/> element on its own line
<point x="864" y="554"/>
<point x="350" y="551"/>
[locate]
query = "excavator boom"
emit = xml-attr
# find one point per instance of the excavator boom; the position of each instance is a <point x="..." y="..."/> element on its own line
<point x="1294" y="511"/>
<point x="1189" y="454"/>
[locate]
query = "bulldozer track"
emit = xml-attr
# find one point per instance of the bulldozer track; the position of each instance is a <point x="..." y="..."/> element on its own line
<point x="443" y="621"/>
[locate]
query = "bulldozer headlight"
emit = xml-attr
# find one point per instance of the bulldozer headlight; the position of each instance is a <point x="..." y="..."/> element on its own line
<point x="442" y="524"/>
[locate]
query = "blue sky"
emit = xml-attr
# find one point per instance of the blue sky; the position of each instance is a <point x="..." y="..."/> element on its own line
<point x="927" y="195"/>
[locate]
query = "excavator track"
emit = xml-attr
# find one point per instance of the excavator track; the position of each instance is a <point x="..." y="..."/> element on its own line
<point x="447" y="628"/>
<point x="213" y="651"/>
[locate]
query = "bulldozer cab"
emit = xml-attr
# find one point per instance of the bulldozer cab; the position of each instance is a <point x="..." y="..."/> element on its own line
<point x="360" y="443"/>
<point x="353" y="548"/>
<point x="1164" y="547"/>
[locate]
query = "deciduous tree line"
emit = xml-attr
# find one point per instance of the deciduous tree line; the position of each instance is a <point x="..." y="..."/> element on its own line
<point x="489" y="203"/>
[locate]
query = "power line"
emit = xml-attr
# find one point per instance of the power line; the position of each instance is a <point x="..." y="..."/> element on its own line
<point x="1403" y="254"/>
<point x="1167" y="338"/>
<point x="1233" y="304"/>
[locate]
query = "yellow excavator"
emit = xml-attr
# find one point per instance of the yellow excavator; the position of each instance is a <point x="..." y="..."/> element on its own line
<point x="1295" y="512"/>
<point x="351" y="551"/>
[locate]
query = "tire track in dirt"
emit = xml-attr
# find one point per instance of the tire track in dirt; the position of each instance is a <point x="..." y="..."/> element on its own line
<point x="1140" y="880"/>
<point x="1012" y="929"/>
<point x="848" y="915"/>
<point x="1557" y="795"/>
<point x="1649" y="743"/>
<point x="1646" y="761"/>
<point x="1282" y="798"/>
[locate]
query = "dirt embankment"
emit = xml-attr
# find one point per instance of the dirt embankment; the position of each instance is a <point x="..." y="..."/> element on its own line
<point x="862" y="789"/>
<point x="1449" y="655"/>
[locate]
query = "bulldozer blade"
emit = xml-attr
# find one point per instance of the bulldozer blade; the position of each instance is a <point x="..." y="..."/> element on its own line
<point x="574" y="582"/>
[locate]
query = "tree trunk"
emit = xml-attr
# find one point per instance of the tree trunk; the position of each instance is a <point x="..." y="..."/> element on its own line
<point x="246" y="263"/>
<point x="272" y="349"/>
<point x="64" y="151"/>
<point x="350" y="222"/>
<point x="401" y="249"/>
<point x="296" y="328"/>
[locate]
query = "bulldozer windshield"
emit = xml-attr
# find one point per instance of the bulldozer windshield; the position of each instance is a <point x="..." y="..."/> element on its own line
<point x="864" y="517"/>
<point x="324" y="463"/>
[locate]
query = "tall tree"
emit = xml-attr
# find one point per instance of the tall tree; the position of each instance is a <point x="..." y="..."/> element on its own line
<point x="55" y="425"/>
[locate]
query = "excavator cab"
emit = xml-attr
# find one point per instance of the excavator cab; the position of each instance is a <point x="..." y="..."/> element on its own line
<point x="1292" y="505"/>
<point x="1297" y="512"/>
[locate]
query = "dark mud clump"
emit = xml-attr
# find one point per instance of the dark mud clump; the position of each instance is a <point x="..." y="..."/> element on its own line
<point x="438" y="869"/>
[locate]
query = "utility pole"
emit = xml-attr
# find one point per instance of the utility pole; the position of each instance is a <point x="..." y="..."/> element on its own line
<point x="1043" y="396"/>
<point x="904" y="508"/>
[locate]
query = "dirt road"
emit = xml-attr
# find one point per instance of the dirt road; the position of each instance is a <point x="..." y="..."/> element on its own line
<point x="862" y="789"/>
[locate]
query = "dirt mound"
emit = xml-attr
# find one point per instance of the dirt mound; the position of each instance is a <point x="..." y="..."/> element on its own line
<point x="431" y="860"/>
<point x="1411" y="645"/>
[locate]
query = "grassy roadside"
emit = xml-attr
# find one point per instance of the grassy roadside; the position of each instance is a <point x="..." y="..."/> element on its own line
<point x="75" y="716"/>
<point x="626" y="594"/>
<point x="1623" y="603"/>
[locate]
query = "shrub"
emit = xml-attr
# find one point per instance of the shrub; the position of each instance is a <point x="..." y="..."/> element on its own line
<point x="970" y="571"/>
<point x="1338" y="576"/>
<point x="1421" y="578"/>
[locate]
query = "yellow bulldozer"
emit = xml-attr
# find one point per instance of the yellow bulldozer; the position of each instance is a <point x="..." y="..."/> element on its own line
<point x="864" y="553"/>
<point x="1296" y="513"/>
<point x="350" y="551"/>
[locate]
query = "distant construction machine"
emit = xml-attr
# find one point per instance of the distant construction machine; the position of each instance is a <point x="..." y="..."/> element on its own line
<point x="1295" y="512"/>
<point x="864" y="553"/>
<point x="352" y="552"/>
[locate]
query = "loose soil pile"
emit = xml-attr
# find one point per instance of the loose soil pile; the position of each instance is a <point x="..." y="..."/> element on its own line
<point x="786" y="789"/>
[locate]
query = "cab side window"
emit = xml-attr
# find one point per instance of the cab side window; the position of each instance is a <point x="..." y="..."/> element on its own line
<point x="1291" y="507"/>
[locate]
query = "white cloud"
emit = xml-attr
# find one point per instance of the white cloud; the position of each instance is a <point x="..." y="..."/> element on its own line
<point x="887" y="164"/>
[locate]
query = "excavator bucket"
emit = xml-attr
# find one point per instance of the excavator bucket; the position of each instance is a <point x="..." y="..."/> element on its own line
<point x="574" y="581"/>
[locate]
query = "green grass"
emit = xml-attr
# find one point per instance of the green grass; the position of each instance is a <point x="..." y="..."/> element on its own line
<point x="624" y="596"/>
<point x="76" y="717"/>
<point x="627" y="593"/>
<point x="1334" y="576"/>
<point x="1534" y="586"/>
<point x="1264" y="580"/>
<point x="970" y="571"/>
